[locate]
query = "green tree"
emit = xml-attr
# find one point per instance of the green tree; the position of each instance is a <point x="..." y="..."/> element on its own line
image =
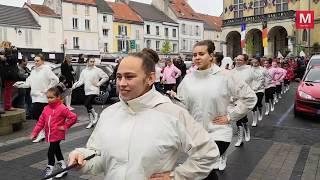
<point x="166" y="47"/>
<point x="251" y="50"/>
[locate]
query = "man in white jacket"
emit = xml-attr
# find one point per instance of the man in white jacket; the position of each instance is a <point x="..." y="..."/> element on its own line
<point x="40" y="80"/>
<point x="92" y="77"/>
<point x="141" y="137"/>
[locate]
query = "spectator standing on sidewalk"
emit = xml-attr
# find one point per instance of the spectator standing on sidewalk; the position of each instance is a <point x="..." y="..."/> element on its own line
<point x="10" y="73"/>
<point x="68" y="72"/>
<point x="141" y="137"/>
<point x="2" y="61"/>
<point x="209" y="102"/>
<point x="56" y="119"/>
<point x="40" y="80"/>
<point x="23" y="99"/>
<point x="92" y="78"/>
<point x="170" y="75"/>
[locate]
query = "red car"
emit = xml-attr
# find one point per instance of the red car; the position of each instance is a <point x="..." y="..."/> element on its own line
<point x="308" y="93"/>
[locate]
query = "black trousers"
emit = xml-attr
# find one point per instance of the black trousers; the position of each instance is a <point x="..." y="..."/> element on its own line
<point x="244" y="120"/>
<point x="269" y="95"/>
<point x="54" y="151"/>
<point x="169" y="87"/>
<point x="278" y="89"/>
<point x="37" y="109"/>
<point x="286" y="82"/>
<point x="259" y="102"/>
<point x="88" y="102"/>
<point x="223" y="146"/>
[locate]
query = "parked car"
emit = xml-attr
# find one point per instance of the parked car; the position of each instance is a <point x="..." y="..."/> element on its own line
<point x="307" y="98"/>
<point x="314" y="60"/>
<point x="107" y="90"/>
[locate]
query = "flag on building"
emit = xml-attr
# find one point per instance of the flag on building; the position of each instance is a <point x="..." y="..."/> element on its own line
<point x="243" y="35"/>
<point x="264" y="34"/>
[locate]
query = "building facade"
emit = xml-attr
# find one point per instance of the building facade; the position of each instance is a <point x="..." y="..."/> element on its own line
<point x="80" y="25"/>
<point x="51" y="32"/>
<point x="105" y="28"/>
<point x="191" y="27"/>
<point x="161" y="33"/>
<point x="127" y="29"/>
<point x="279" y="19"/>
<point x="212" y="30"/>
<point x="22" y="30"/>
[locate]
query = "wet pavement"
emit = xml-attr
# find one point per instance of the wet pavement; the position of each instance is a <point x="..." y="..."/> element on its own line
<point x="282" y="147"/>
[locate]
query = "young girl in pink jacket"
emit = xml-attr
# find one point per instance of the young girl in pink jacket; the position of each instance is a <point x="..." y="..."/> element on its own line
<point x="56" y="119"/>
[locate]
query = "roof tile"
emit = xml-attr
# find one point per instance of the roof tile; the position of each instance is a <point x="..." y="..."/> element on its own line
<point x="122" y="12"/>
<point x="16" y="16"/>
<point x="87" y="2"/>
<point x="183" y="10"/>
<point x="211" y="22"/>
<point x="43" y="10"/>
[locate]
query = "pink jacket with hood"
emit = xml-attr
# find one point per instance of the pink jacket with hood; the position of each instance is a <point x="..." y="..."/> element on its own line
<point x="53" y="116"/>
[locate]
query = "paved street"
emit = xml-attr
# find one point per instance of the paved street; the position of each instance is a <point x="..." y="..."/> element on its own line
<point x="282" y="147"/>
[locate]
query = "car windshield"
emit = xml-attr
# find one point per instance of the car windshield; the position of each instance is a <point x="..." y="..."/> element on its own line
<point x="314" y="62"/>
<point x="313" y="75"/>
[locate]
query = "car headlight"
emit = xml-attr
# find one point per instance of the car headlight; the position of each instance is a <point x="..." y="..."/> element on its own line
<point x="306" y="96"/>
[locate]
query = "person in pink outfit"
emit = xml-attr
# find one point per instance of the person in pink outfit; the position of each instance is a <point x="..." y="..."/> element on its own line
<point x="192" y="68"/>
<point x="170" y="75"/>
<point x="56" y="119"/>
<point x="279" y="75"/>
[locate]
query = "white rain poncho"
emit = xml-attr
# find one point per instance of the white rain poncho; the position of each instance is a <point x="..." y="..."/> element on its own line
<point x="145" y="136"/>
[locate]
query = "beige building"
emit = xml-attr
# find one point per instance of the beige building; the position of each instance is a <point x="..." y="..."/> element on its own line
<point x="80" y="25"/>
<point x="279" y="15"/>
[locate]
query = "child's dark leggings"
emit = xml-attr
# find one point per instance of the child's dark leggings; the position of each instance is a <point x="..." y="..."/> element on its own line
<point x="54" y="151"/>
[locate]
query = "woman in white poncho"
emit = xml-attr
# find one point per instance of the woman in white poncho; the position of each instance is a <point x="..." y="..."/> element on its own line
<point x="206" y="94"/>
<point x="140" y="137"/>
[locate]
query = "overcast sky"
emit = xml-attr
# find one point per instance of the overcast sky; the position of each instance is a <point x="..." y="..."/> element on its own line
<point x="212" y="7"/>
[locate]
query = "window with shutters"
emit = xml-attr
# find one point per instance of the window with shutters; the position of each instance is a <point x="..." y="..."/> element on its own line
<point x="51" y="25"/>
<point x="75" y="8"/>
<point x="148" y="43"/>
<point x="281" y="5"/>
<point x="123" y="45"/>
<point x="174" y="33"/>
<point x="105" y="18"/>
<point x="76" y="43"/>
<point x="87" y="10"/>
<point x="105" y="47"/>
<point x="166" y="32"/>
<point x="258" y="7"/>
<point x="157" y="30"/>
<point x="305" y="35"/>
<point x="3" y="34"/>
<point x="75" y="23"/>
<point x="174" y="48"/>
<point x="148" y="29"/>
<point x="238" y="7"/>
<point x="122" y="30"/>
<point x="28" y="37"/>
<point x="183" y="29"/>
<point x="105" y="32"/>
<point x="157" y="45"/>
<point x="87" y="24"/>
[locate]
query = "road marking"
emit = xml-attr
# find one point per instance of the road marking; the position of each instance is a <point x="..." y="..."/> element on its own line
<point x="284" y="116"/>
<point x="277" y="163"/>
<point x="36" y="147"/>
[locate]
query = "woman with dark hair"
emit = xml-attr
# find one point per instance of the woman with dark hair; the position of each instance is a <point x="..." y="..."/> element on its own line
<point x="206" y="93"/>
<point x="68" y="72"/>
<point x="158" y="69"/>
<point x="40" y="80"/>
<point x="92" y="78"/>
<point x="10" y="73"/>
